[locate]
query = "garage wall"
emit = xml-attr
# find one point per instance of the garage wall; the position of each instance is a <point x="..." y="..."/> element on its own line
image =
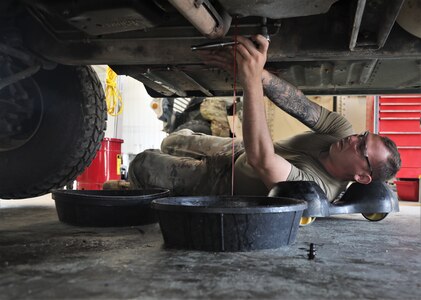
<point x="354" y="109"/>
<point x="141" y="127"/>
<point x="282" y="125"/>
<point x="138" y="124"/>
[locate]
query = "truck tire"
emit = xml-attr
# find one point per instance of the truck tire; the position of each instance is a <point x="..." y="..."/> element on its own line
<point x="67" y="119"/>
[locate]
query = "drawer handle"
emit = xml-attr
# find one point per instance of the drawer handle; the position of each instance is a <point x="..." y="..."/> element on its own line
<point x="400" y="111"/>
<point x="409" y="147"/>
<point x="401" y="132"/>
<point x="393" y="119"/>
<point x="399" y="104"/>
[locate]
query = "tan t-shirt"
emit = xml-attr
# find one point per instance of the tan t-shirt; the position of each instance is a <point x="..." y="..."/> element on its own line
<point x="302" y="152"/>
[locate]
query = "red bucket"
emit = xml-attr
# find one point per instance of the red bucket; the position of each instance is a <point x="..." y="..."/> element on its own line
<point x="105" y="166"/>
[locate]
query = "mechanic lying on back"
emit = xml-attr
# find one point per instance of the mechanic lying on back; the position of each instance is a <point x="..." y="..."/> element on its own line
<point x="331" y="154"/>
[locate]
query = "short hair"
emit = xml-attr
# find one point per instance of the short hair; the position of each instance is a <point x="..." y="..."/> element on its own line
<point x="388" y="169"/>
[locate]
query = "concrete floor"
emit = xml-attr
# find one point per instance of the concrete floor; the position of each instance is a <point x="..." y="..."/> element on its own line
<point x="41" y="258"/>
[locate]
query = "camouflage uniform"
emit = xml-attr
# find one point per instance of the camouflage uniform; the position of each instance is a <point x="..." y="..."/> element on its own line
<point x="188" y="164"/>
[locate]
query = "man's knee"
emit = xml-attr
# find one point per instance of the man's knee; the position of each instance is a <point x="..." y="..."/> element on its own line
<point x="184" y="143"/>
<point x="154" y="169"/>
<point x="174" y="139"/>
<point x="141" y="165"/>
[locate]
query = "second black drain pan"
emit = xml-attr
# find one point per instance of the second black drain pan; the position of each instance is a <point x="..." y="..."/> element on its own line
<point x="228" y="223"/>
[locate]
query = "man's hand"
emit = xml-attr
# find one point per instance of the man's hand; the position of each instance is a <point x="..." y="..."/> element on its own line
<point x="251" y="58"/>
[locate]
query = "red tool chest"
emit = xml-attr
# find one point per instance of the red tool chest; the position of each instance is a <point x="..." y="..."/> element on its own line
<point x="399" y="119"/>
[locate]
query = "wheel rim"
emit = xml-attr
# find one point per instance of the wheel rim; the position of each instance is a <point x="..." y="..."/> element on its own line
<point x="304" y="221"/>
<point x="21" y="111"/>
<point x="375" y="217"/>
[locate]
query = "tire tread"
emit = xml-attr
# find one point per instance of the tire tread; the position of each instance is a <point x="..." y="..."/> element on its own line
<point x="87" y="145"/>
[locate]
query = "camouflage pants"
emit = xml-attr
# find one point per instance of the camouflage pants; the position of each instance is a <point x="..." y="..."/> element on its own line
<point x="188" y="164"/>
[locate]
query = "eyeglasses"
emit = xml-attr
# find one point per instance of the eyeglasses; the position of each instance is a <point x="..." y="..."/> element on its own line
<point x="363" y="146"/>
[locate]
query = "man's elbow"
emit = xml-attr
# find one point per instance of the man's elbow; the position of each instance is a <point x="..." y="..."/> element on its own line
<point x="254" y="162"/>
<point x="258" y="164"/>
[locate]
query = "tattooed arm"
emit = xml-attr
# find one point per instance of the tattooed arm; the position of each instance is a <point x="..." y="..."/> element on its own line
<point x="290" y="99"/>
<point x="258" y="143"/>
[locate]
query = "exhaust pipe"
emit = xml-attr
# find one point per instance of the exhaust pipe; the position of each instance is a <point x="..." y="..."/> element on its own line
<point x="204" y="17"/>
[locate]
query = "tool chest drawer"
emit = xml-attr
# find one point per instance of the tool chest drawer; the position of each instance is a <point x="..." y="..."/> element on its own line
<point x="399" y="119"/>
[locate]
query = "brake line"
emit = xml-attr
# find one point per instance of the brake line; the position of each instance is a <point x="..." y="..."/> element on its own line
<point x="234" y="106"/>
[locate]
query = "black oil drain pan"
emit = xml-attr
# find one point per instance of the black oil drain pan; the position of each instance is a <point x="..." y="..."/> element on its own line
<point x="106" y="208"/>
<point x="228" y="223"/>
